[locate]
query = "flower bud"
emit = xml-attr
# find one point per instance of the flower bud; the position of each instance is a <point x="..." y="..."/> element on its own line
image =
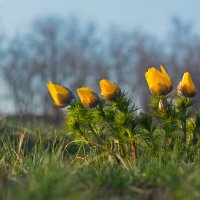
<point x="61" y="95"/>
<point x="159" y="82"/>
<point x="88" y="98"/>
<point x="109" y="90"/>
<point x="186" y="86"/>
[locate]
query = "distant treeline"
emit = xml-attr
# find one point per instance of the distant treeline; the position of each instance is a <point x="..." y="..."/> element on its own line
<point x="76" y="55"/>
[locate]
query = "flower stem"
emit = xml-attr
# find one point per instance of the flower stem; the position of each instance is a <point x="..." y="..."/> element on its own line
<point x="133" y="147"/>
<point x="164" y="141"/>
<point x="184" y="127"/>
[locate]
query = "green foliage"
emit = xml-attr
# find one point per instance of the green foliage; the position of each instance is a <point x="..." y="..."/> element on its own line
<point x="108" y="124"/>
<point x="115" y="127"/>
<point x="149" y="132"/>
<point x="50" y="171"/>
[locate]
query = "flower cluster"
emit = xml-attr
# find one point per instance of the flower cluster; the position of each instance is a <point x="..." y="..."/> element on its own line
<point x="62" y="96"/>
<point x="160" y="83"/>
<point x="116" y="126"/>
<point x="172" y="115"/>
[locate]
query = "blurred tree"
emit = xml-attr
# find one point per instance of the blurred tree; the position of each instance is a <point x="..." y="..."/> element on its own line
<point x="68" y="53"/>
<point x="1" y="67"/>
<point x="55" y="50"/>
<point x="183" y="52"/>
<point x="18" y="72"/>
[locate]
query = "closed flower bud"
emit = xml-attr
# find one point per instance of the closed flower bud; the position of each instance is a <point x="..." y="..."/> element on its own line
<point x="109" y="90"/>
<point x="186" y="87"/>
<point x="159" y="82"/>
<point x="88" y="98"/>
<point x="62" y="96"/>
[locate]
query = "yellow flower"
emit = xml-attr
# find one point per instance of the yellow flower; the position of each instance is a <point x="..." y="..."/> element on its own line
<point x="109" y="90"/>
<point x="186" y="86"/>
<point x="62" y="96"/>
<point x="88" y="98"/>
<point x="159" y="82"/>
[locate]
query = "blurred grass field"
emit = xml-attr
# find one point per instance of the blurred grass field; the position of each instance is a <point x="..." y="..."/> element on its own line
<point x="38" y="161"/>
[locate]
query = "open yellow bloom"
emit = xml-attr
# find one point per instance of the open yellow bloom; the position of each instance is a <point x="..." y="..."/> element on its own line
<point x="109" y="90"/>
<point x="62" y="96"/>
<point x="159" y="82"/>
<point x="88" y="98"/>
<point x="186" y="86"/>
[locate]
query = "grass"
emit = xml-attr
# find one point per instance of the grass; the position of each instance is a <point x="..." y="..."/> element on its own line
<point x="37" y="162"/>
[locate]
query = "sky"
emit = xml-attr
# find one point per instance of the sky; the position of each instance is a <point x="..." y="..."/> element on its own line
<point x="152" y="16"/>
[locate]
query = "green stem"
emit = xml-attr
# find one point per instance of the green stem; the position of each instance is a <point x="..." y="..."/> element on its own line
<point x="95" y="133"/>
<point x="122" y="150"/>
<point x="184" y="127"/>
<point x="194" y="139"/>
<point x="112" y="145"/>
<point x="164" y="142"/>
<point x="134" y="151"/>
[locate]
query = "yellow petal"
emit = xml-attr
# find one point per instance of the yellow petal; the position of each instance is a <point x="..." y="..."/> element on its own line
<point x="190" y="84"/>
<point x="53" y="92"/>
<point x="165" y="73"/>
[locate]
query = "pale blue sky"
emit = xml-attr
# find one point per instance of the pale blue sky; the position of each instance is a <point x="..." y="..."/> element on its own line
<point x="152" y="16"/>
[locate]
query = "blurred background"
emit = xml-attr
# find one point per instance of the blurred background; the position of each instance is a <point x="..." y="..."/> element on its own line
<point x="77" y="43"/>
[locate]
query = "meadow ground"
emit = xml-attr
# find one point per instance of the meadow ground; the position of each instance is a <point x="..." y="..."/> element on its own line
<point x="39" y="162"/>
